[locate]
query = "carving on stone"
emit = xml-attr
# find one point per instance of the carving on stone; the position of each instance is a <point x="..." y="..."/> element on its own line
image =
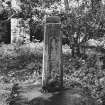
<point x="52" y="51"/>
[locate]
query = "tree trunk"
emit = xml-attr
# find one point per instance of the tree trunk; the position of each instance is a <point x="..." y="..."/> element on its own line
<point x="75" y="50"/>
<point x="75" y="46"/>
<point x="66" y="2"/>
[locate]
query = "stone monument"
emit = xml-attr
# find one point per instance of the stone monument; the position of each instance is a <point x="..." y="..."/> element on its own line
<point x="52" y="54"/>
<point x="19" y="30"/>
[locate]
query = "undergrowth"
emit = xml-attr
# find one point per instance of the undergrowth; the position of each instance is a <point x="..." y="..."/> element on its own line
<point x="24" y="64"/>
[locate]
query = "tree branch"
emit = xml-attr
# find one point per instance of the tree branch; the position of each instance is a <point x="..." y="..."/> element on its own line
<point x="7" y="19"/>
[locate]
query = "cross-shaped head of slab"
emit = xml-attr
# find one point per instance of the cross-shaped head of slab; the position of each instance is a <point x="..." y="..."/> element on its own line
<point x="52" y="19"/>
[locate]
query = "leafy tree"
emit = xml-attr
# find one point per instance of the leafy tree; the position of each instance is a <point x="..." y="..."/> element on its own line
<point x="81" y="21"/>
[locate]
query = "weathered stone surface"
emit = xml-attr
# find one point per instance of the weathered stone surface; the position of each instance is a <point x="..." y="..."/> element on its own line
<point x="52" y="56"/>
<point x="53" y="19"/>
<point x="19" y="30"/>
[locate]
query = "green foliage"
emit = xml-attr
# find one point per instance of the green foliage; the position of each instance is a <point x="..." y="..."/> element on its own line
<point x="19" y="60"/>
<point x="5" y="90"/>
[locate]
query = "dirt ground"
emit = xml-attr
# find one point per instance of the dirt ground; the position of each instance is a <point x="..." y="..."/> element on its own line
<point x="30" y="95"/>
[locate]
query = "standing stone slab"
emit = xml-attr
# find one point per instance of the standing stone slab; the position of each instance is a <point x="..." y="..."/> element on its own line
<point x="52" y="55"/>
<point x="19" y="30"/>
